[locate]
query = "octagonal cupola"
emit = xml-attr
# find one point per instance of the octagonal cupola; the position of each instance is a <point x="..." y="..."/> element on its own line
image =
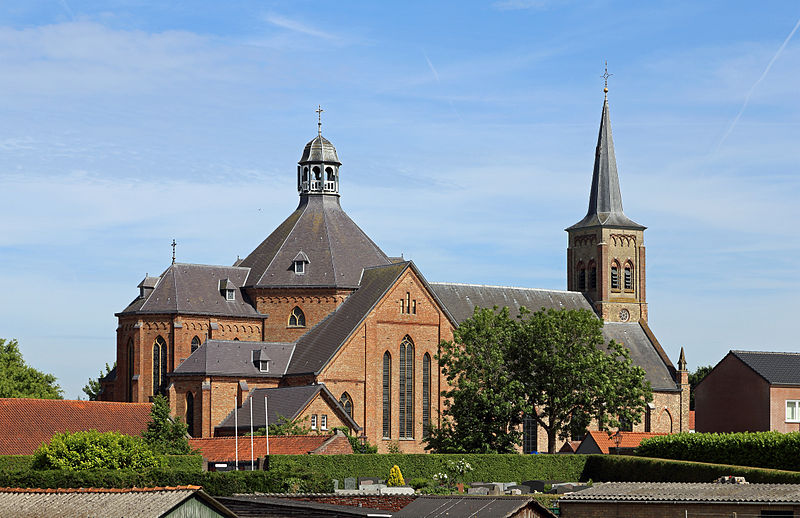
<point x="318" y="168"/>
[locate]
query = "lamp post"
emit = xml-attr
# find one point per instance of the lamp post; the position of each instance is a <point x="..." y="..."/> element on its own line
<point x="617" y="439"/>
<point x="362" y="440"/>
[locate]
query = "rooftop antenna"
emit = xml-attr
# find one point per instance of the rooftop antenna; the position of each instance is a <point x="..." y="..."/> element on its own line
<point x="605" y="77"/>
<point x="319" y="111"/>
<point x="173" y="250"/>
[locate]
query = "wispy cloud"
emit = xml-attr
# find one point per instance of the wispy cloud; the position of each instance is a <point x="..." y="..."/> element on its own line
<point x="295" y="26"/>
<point x="516" y="5"/>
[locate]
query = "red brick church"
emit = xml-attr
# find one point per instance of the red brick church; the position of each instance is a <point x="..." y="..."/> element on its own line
<point x="318" y="323"/>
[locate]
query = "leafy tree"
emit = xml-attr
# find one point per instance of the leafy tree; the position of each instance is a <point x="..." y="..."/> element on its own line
<point x="484" y="407"/>
<point x="164" y="435"/>
<point x="20" y="380"/>
<point x="92" y="387"/>
<point x="694" y="379"/>
<point x="569" y="375"/>
<point x="94" y="450"/>
<point x="286" y="426"/>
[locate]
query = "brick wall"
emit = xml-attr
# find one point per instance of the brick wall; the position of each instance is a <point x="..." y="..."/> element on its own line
<point x="337" y="445"/>
<point x="316" y="304"/>
<point x="777" y="411"/>
<point x="732" y="398"/>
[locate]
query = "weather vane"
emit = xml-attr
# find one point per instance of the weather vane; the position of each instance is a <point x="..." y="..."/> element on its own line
<point x="605" y="77"/>
<point x="319" y="111"/>
<point x="173" y="251"/>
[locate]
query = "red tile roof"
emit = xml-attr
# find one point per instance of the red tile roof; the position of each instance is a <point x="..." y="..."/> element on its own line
<point x="220" y="449"/>
<point x="28" y="423"/>
<point x="629" y="439"/>
<point x="98" y="489"/>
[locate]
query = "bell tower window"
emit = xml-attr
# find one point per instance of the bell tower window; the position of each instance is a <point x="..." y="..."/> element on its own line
<point x="615" y="276"/>
<point x="592" y="275"/>
<point x="628" y="276"/>
<point x="581" y="277"/>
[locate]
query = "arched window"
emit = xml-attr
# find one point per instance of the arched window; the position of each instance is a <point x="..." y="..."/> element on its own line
<point x="190" y="413"/>
<point x="628" y="276"/>
<point x="297" y="318"/>
<point x="159" y="365"/>
<point x="131" y="372"/>
<point x="615" y="275"/>
<point x="581" y="276"/>
<point x="387" y="395"/>
<point x="317" y="174"/>
<point x="406" y="392"/>
<point x="426" y="394"/>
<point x="195" y="343"/>
<point x="305" y="174"/>
<point x="347" y="403"/>
<point x="592" y="275"/>
<point x="329" y="174"/>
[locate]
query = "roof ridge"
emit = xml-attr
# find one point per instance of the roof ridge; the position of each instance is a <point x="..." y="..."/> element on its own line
<point x="99" y="489"/>
<point x="505" y="287"/>
<point x="766" y="352"/>
<point x="62" y="401"/>
<point x="212" y="265"/>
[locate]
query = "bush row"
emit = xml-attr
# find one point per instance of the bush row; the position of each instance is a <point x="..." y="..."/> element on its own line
<point x="214" y="483"/>
<point x="761" y="449"/>
<point x="623" y="468"/>
<point x="168" y="462"/>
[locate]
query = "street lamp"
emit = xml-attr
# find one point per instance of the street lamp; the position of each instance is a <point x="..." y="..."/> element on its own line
<point x="617" y="439"/>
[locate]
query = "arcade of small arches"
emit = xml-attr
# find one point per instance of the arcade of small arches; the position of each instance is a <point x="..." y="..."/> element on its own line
<point x="586" y="276"/>
<point x="313" y="179"/>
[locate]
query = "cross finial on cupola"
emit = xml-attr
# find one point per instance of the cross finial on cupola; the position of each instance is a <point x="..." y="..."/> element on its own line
<point x="319" y="111"/>
<point x="174" y="244"/>
<point x="605" y="77"/>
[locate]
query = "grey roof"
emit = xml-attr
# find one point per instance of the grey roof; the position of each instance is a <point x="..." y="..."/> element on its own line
<point x="605" y="199"/>
<point x="235" y="358"/>
<point x="336" y="248"/>
<point x="148" y="282"/>
<point x="317" y="347"/>
<point x="255" y="505"/>
<point x="113" y="503"/>
<point x="688" y="492"/>
<point x="285" y="402"/>
<point x="319" y="149"/>
<point x="775" y="367"/>
<point x="461" y="300"/>
<point x="474" y="506"/>
<point x="195" y="289"/>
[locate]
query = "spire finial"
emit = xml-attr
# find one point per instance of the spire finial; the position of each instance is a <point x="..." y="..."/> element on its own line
<point x="605" y="77"/>
<point x="173" y="251"/>
<point x="319" y="111"/>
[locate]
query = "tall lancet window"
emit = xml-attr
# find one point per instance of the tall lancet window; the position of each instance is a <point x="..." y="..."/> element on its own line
<point x="406" y="392"/>
<point x="159" y="365"/>
<point x="426" y="394"/>
<point x="387" y="395"/>
<point x="628" y="276"/>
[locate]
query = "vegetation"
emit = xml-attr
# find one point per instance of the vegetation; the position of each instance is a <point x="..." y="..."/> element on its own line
<point x="92" y="387"/>
<point x="286" y="426"/>
<point x="88" y="450"/>
<point x="760" y="449"/>
<point x="395" y="477"/>
<point x="19" y="380"/>
<point x="694" y="379"/>
<point x="355" y="442"/>
<point x="164" y="435"/>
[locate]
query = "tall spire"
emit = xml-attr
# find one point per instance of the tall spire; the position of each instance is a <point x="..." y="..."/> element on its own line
<point x="605" y="199"/>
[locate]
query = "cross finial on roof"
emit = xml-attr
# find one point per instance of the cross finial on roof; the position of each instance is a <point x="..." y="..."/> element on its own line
<point x="605" y="77"/>
<point x="319" y="111"/>
<point x="173" y="251"/>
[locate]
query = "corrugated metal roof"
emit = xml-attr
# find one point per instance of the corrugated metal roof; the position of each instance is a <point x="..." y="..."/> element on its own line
<point x="775" y="367"/>
<point x="689" y="492"/>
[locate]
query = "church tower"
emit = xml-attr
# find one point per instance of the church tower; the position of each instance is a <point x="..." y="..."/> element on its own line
<point x="605" y="253"/>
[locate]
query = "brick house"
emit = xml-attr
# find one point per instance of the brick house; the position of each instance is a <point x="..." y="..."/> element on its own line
<point x="750" y="391"/>
<point x="319" y="303"/>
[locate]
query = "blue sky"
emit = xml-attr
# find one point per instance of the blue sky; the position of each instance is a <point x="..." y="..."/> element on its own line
<point x="466" y="132"/>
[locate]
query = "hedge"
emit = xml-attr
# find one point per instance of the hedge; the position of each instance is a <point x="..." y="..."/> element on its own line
<point x="760" y="449"/>
<point x="215" y="483"/>
<point x="169" y="462"/>
<point x="15" y="462"/>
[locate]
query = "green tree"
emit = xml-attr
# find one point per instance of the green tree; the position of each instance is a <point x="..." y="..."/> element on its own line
<point x="569" y="375"/>
<point x="165" y="435"/>
<point x="694" y="379"/>
<point x="286" y="426"/>
<point x="92" y="387"/>
<point x="94" y="450"/>
<point x="17" y="379"/>
<point x="484" y="407"/>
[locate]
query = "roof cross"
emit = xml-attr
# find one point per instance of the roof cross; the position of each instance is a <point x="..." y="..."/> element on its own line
<point x="319" y="111"/>
<point x="605" y="77"/>
<point x="173" y="251"/>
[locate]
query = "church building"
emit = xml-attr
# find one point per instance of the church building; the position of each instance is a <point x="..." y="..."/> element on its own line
<point x="318" y="324"/>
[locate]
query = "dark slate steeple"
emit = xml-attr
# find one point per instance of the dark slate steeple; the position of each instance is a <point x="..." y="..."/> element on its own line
<point x="605" y="199"/>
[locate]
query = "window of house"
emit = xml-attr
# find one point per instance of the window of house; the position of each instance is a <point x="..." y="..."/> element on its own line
<point x="323" y="422"/>
<point x="195" y="343"/>
<point x="530" y="432"/>
<point x="263" y="366"/>
<point x="347" y="403"/>
<point x="313" y="421"/>
<point x="387" y="395"/>
<point x="406" y="392"/>
<point x="230" y="295"/>
<point x="297" y="318"/>
<point x="628" y="276"/>
<point x="792" y="411"/>
<point x="615" y="276"/>
<point x="299" y="267"/>
<point x="407" y="305"/>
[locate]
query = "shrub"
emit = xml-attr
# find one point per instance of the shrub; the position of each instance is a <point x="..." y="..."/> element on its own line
<point x="395" y="477"/>
<point x="94" y="450"/>
<point x="15" y="462"/>
<point x="183" y="462"/>
<point x="419" y="482"/>
<point x="164" y="435"/>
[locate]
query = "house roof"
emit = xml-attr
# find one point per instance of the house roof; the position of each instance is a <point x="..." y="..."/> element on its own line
<point x="432" y="506"/>
<point x="461" y="300"/>
<point x="775" y="367"/>
<point x="154" y="502"/>
<point x="194" y="289"/>
<point x="336" y="248"/>
<point x="606" y="441"/>
<point x="235" y="358"/>
<point x="223" y="449"/>
<point x="285" y="402"/>
<point x="688" y="492"/>
<point x="28" y="423"/>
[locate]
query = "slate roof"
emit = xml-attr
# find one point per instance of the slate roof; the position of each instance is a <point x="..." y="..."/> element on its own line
<point x="431" y="506"/>
<point x="317" y="346"/>
<point x="461" y="299"/>
<point x="775" y="367"/>
<point x="337" y="249"/>
<point x="688" y="492"/>
<point x="235" y="358"/>
<point x="28" y="423"/>
<point x="152" y="502"/>
<point x="285" y="402"/>
<point x="194" y="289"/>
<point x="319" y="149"/>
<point x="605" y="442"/>
<point x="223" y="449"/>
<point x="605" y="199"/>
<point x="252" y="505"/>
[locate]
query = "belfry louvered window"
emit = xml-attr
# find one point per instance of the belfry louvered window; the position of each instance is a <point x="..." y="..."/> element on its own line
<point x="426" y="394"/>
<point x="615" y="276"/>
<point x="581" y="277"/>
<point x="592" y="276"/>
<point x="387" y="395"/>
<point x="159" y="365"/>
<point x="628" y="276"/>
<point x="406" y="391"/>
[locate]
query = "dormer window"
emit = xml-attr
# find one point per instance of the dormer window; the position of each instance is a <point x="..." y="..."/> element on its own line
<point x="261" y="360"/>
<point x="299" y="263"/>
<point x="227" y="289"/>
<point x="147" y="286"/>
